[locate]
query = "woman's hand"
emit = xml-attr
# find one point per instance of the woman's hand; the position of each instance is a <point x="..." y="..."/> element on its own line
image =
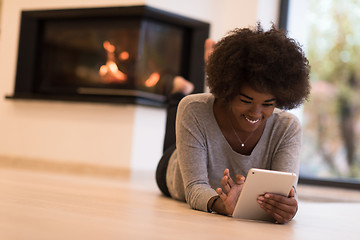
<point x="282" y="208"/>
<point x="231" y="192"/>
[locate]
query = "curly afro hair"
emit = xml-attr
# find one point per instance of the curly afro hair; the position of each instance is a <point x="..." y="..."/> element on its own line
<point x="267" y="61"/>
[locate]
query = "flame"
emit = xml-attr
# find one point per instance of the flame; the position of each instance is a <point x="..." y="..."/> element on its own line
<point x="124" y="55"/>
<point x="152" y="80"/>
<point x="113" y="67"/>
<point x="108" y="47"/>
<point x="110" y="71"/>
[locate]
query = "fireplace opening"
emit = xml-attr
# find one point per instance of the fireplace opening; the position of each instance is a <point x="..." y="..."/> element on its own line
<point x="117" y="54"/>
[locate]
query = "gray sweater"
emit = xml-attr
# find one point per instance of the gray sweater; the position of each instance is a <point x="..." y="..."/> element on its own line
<point x="202" y="153"/>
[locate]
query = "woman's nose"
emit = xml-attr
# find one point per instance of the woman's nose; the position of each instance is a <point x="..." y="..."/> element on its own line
<point x="255" y="111"/>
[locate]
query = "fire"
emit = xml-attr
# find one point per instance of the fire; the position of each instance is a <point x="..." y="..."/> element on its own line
<point x="152" y="80"/>
<point x="124" y="55"/>
<point x="110" y="71"/>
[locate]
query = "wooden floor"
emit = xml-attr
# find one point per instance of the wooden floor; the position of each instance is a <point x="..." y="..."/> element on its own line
<point x="54" y="205"/>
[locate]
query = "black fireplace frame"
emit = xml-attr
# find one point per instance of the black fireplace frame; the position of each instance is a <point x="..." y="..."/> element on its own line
<point x="31" y="27"/>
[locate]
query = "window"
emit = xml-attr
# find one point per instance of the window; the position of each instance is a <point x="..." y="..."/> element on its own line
<point x="327" y="29"/>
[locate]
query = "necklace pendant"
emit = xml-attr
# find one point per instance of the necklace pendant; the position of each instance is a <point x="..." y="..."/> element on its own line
<point x="242" y="145"/>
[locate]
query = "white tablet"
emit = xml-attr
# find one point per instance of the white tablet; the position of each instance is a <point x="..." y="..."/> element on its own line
<point x="258" y="182"/>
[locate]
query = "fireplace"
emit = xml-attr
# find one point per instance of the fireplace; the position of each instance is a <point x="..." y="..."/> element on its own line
<point x="114" y="55"/>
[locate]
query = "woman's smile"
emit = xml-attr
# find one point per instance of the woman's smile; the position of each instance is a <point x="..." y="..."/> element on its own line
<point x="252" y="121"/>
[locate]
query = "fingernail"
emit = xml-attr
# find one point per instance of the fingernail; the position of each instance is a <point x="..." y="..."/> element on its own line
<point x="267" y="195"/>
<point x="261" y="198"/>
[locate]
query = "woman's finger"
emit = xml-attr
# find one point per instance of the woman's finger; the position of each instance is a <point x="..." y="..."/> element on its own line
<point x="229" y="179"/>
<point x="279" y="200"/>
<point x="240" y="179"/>
<point x="222" y="195"/>
<point x="225" y="184"/>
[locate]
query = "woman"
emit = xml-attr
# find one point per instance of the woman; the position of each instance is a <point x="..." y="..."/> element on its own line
<point x="252" y="75"/>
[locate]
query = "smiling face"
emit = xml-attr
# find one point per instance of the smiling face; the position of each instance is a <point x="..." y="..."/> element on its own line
<point x="251" y="109"/>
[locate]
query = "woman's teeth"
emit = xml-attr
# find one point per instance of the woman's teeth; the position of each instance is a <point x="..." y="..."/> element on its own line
<point x="252" y="121"/>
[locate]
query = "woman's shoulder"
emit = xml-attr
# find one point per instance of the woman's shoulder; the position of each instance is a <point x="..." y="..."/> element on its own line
<point x="285" y="119"/>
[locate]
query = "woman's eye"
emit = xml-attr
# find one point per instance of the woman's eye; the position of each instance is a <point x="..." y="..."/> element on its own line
<point x="268" y="104"/>
<point x="244" y="101"/>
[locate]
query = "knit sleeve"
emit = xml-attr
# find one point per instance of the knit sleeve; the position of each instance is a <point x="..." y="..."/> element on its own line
<point x="192" y="154"/>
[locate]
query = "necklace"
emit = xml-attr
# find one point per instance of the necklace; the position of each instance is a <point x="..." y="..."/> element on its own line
<point x="242" y="144"/>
